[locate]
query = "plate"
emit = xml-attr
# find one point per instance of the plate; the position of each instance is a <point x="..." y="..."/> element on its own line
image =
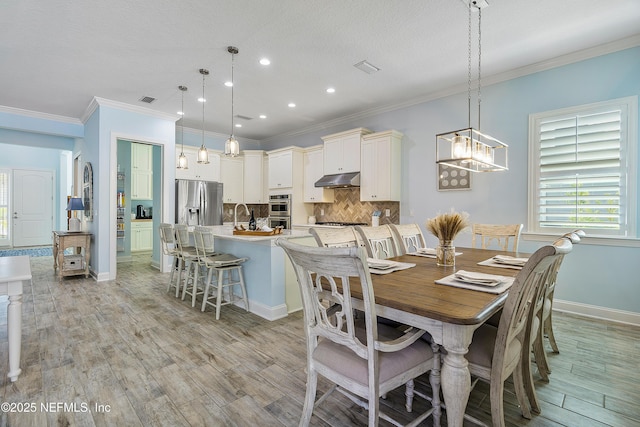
<point x="380" y="265"/>
<point x="509" y="260"/>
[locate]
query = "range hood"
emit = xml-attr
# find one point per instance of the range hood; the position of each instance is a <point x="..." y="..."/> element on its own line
<point x="339" y="180"/>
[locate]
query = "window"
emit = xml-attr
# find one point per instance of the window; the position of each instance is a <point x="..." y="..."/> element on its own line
<point x="582" y="169"/>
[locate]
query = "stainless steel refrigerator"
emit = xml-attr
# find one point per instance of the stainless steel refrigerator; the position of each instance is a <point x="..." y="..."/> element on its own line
<point x="198" y="202"/>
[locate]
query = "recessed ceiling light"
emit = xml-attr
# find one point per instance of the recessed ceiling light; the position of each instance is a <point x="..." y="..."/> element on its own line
<point x="238" y="125"/>
<point x="292" y="105"/>
<point x="201" y="99"/>
<point x="228" y="84"/>
<point x="265" y="61"/>
<point x="262" y="116"/>
<point x="331" y="90"/>
<point x="181" y="113"/>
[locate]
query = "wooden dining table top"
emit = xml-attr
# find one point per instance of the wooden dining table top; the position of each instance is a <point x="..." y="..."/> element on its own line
<point x="414" y="290"/>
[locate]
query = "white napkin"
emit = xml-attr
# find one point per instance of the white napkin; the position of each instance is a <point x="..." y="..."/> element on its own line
<point x="384" y="266"/>
<point x="451" y="280"/>
<point x="478" y="278"/>
<point x="428" y="252"/>
<point x="506" y="259"/>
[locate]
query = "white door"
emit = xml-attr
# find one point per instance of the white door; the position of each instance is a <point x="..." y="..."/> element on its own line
<point x="32" y="214"/>
<point x="5" y="207"/>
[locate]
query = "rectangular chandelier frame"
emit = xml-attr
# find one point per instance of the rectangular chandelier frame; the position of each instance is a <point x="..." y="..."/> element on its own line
<point x="471" y="150"/>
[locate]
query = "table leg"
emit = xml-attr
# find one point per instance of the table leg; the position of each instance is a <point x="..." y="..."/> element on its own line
<point x="14" y="327"/>
<point x="456" y="379"/>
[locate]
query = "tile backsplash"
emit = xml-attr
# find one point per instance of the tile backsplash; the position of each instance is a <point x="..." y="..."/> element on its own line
<point x="347" y="207"/>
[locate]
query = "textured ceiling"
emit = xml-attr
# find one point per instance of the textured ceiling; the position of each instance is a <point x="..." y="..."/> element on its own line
<point x="58" y="54"/>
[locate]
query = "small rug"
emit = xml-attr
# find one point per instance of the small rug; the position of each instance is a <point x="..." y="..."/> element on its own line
<point x="33" y="252"/>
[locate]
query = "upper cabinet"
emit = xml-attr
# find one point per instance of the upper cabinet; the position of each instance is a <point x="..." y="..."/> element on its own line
<point x="254" y="188"/>
<point x="313" y="171"/>
<point x="141" y="171"/>
<point x="198" y="171"/>
<point x="381" y="162"/>
<point x="232" y="178"/>
<point x="342" y="151"/>
<point x="280" y="169"/>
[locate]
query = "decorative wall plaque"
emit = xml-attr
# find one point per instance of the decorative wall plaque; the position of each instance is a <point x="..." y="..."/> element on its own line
<point x="450" y="178"/>
<point x="87" y="192"/>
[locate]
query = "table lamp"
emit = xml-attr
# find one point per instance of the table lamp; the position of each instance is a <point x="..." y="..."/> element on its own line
<point x="75" y="204"/>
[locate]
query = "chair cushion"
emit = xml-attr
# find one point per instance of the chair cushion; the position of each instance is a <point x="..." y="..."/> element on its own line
<point x="345" y="362"/>
<point x="482" y="347"/>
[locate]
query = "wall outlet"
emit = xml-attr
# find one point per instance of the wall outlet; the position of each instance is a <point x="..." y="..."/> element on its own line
<point x="321" y="212"/>
<point x="387" y="212"/>
<point x="230" y="211"/>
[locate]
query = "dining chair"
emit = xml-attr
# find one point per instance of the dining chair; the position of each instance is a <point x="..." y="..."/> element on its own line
<point x="544" y="308"/>
<point x="364" y="360"/>
<point x="501" y="235"/>
<point x="170" y="248"/>
<point x="187" y="263"/>
<point x="336" y="237"/>
<point x="379" y="241"/>
<point x="409" y="237"/>
<point x="495" y="354"/>
<point x="224" y="266"/>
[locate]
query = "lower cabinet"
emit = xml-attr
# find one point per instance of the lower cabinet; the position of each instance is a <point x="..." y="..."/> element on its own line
<point x="141" y="236"/>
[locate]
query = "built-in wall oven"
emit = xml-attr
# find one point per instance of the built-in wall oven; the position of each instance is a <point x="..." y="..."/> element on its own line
<point x="280" y="210"/>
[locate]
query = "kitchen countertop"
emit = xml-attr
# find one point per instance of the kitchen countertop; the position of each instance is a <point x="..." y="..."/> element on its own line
<point x="226" y="232"/>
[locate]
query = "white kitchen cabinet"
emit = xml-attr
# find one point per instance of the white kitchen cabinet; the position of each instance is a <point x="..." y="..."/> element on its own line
<point x="342" y="151"/>
<point x="381" y="162"/>
<point x="313" y="171"/>
<point x="232" y="178"/>
<point x="141" y="171"/>
<point x="198" y="171"/>
<point x="281" y="170"/>
<point x="254" y="177"/>
<point x="141" y="236"/>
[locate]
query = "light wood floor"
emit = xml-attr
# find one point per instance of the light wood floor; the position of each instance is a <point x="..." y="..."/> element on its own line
<point x="146" y="358"/>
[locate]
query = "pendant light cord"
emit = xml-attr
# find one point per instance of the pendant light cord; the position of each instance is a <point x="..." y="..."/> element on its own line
<point x="232" y="84"/>
<point x="203" y="101"/>
<point x="479" y="92"/>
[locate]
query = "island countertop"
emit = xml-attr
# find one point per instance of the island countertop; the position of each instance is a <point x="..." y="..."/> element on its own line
<point x="226" y="232"/>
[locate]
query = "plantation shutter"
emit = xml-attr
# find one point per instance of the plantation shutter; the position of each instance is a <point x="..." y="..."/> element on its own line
<point x="581" y="179"/>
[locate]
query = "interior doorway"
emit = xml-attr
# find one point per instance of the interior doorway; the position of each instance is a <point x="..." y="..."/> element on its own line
<point x="32" y="216"/>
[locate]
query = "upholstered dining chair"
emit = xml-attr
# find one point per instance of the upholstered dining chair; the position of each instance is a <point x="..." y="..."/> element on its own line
<point x="379" y="241"/>
<point x="495" y="354"/>
<point x="336" y="237"/>
<point x="498" y="234"/>
<point x="224" y="272"/>
<point x="363" y="361"/>
<point x="170" y="249"/>
<point x="409" y="237"/>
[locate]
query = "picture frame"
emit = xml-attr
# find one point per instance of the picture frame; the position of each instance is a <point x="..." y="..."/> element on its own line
<point x="451" y="179"/>
<point x="87" y="191"/>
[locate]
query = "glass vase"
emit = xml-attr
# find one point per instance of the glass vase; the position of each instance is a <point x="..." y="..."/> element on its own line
<point x="446" y="253"/>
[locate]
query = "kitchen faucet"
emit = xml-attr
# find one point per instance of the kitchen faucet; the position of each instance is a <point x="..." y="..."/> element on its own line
<point x="235" y="213"/>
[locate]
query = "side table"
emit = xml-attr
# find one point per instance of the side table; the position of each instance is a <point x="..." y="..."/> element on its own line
<point x="78" y="262"/>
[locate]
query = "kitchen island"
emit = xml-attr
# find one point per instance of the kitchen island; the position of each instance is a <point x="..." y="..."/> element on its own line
<point x="271" y="284"/>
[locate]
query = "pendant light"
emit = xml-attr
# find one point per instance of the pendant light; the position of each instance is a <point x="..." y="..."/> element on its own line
<point x="231" y="146"/>
<point x="203" y="154"/>
<point x="182" y="160"/>
<point x="469" y="148"/>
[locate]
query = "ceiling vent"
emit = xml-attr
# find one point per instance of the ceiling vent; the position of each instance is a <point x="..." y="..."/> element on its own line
<point x="366" y="67"/>
<point x="243" y="117"/>
<point x="147" y="99"/>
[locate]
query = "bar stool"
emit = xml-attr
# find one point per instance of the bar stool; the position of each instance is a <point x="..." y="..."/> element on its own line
<point x="224" y="265"/>
<point x="188" y="262"/>
<point x="170" y="248"/>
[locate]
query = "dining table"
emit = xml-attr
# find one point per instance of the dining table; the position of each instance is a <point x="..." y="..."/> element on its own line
<point x="450" y="314"/>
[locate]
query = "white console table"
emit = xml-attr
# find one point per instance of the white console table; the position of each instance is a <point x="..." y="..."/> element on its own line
<point x="14" y="272"/>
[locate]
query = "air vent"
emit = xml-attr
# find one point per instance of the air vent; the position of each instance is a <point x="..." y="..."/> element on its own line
<point x="366" y="67"/>
<point x="147" y="99"/>
<point x="243" y="117"/>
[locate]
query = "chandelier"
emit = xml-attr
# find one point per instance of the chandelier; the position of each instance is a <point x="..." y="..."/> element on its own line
<point x="231" y="146"/>
<point x="469" y="148"/>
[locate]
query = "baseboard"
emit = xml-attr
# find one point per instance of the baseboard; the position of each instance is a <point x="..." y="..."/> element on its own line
<point x="265" y="311"/>
<point x="604" y="313"/>
<point x="102" y="277"/>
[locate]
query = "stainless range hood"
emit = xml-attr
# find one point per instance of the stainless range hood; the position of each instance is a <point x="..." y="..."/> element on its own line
<point x="340" y="180"/>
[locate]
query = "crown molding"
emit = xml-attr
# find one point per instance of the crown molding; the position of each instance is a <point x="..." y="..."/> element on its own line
<point x="97" y="101"/>
<point x="39" y="115"/>
<point x="581" y="55"/>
